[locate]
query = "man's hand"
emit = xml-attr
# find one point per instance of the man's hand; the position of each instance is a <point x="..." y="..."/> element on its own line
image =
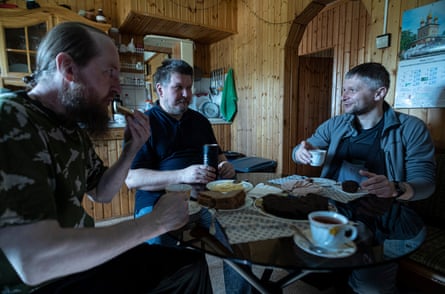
<point x="379" y="185"/>
<point x="226" y="170"/>
<point x="381" y="198"/>
<point x="137" y="131"/>
<point x="302" y="154"/>
<point x="198" y="173"/>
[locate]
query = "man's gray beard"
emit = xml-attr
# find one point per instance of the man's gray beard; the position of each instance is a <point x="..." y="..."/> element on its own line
<point x="80" y="109"/>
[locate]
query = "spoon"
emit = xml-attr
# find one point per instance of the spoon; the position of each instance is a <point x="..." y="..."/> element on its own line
<point x="312" y="246"/>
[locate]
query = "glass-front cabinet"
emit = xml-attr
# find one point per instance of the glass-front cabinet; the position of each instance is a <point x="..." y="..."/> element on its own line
<point x="21" y="31"/>
<point x="19" y="40"/>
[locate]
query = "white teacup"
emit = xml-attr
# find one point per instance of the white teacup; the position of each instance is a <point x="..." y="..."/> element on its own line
<point x="330" y="229"/>
<point x="317" y="157"/>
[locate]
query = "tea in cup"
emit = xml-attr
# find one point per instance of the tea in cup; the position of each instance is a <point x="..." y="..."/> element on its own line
<point x="317" y="157"/>
<point x="182" y="188"/>
<point x="331" y="229"/>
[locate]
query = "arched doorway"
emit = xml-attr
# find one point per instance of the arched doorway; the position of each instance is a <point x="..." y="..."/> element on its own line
<point x="291" y="80"/>
<point x="347" y="38"/>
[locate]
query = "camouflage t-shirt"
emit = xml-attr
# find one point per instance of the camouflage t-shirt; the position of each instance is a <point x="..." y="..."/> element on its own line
<point x="46" y="166"/>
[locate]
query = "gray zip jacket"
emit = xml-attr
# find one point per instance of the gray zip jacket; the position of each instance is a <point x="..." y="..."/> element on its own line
<point x="406" y="142"/>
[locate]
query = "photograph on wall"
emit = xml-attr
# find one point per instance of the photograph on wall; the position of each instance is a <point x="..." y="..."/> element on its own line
<point x="421" y="68"/>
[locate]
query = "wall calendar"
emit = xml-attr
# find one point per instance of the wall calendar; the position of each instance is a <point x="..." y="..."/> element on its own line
<point x="421" y="68"/>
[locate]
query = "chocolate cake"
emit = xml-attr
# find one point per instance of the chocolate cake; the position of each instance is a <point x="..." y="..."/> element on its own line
<point x="350" y="186"/>
<point x="293" y="207"/>
<point x="220" y="200"/>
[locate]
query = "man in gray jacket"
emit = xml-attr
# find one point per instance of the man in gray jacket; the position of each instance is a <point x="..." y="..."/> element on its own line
<point x="390" y="154"/>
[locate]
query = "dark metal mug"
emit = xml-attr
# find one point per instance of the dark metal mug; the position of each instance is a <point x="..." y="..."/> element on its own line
<point x="210" y="156"/>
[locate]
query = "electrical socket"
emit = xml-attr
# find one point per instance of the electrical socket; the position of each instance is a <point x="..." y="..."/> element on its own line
<point x="383" y="41"/>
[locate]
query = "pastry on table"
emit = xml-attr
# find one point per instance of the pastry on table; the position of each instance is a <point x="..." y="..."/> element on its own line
<point x="222" y="200"/>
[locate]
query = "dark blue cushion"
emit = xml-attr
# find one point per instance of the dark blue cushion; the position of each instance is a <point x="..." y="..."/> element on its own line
<point x="254" y="164"/>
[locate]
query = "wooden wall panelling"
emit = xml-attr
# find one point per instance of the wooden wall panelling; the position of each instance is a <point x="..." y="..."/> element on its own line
<point x="109" y="148"/>
<point x="289" y="105"/>
<point x="113" y="155"/>
<point x="201" y="58"/>
<point x="216" y="14"/>
<point x="222" y="134"/>
<point x="314" y="100"/>
<point x="362" y="33"/>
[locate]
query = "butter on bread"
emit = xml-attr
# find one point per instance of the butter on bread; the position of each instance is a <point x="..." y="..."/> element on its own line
<point x="123" y="110"/>
<point x="220" y="200"/>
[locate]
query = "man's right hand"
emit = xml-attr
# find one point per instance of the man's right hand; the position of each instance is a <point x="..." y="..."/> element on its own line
<point x="302" y="154"/>
<point x="198" y="174"/>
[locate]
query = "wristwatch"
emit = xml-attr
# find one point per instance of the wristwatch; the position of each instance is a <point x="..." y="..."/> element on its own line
<point x="399" y="188"/>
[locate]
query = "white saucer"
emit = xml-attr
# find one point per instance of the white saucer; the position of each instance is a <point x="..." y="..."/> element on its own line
<point x="346" y="250"/>
<point x="247" y="203"/>
<point x="194" y="207"/>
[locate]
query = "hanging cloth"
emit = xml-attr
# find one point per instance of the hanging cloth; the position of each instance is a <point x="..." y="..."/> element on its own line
<point x="229" y="98"/>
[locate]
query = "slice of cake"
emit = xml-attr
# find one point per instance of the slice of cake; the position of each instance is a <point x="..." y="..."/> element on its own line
<point x="219" y="200"/>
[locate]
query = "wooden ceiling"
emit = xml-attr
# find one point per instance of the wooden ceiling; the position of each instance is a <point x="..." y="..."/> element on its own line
<point x="144" y="24"/>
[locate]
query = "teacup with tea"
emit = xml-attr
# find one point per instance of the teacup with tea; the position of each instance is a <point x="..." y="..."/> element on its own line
<point x="330" y="229"/>
<point x="318" y="157"/>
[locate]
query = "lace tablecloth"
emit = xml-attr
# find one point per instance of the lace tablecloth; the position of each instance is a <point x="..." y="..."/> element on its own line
<point x="250" y="224"/>
<point x="332" y="192"/>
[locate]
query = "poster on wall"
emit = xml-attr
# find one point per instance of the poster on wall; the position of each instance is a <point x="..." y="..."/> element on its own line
<point x="421" y="68"/>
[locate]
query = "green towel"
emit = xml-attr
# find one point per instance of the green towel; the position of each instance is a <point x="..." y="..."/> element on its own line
<point x="229" y="98"/>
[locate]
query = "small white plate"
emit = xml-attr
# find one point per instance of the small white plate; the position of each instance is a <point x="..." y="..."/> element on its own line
<point x="221" y="184"/>
<point x="194" y="207"/>
<point x="357" y="194"/>
<point x="247" y="203"/>
<point x="345" y="250"/>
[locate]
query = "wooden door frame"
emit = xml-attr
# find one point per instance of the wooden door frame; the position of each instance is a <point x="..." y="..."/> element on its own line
<point x="290" y="106"/>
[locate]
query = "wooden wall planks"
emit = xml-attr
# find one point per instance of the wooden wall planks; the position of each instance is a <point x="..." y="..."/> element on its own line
<point x="109" y="148"/>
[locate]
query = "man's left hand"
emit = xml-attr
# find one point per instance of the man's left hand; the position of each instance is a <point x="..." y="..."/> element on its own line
<point x="379" y="185"/>
<point x="226" y="170"/>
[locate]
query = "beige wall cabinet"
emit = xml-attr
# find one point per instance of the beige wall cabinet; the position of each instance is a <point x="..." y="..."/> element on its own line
<point x="21" y="31"/>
